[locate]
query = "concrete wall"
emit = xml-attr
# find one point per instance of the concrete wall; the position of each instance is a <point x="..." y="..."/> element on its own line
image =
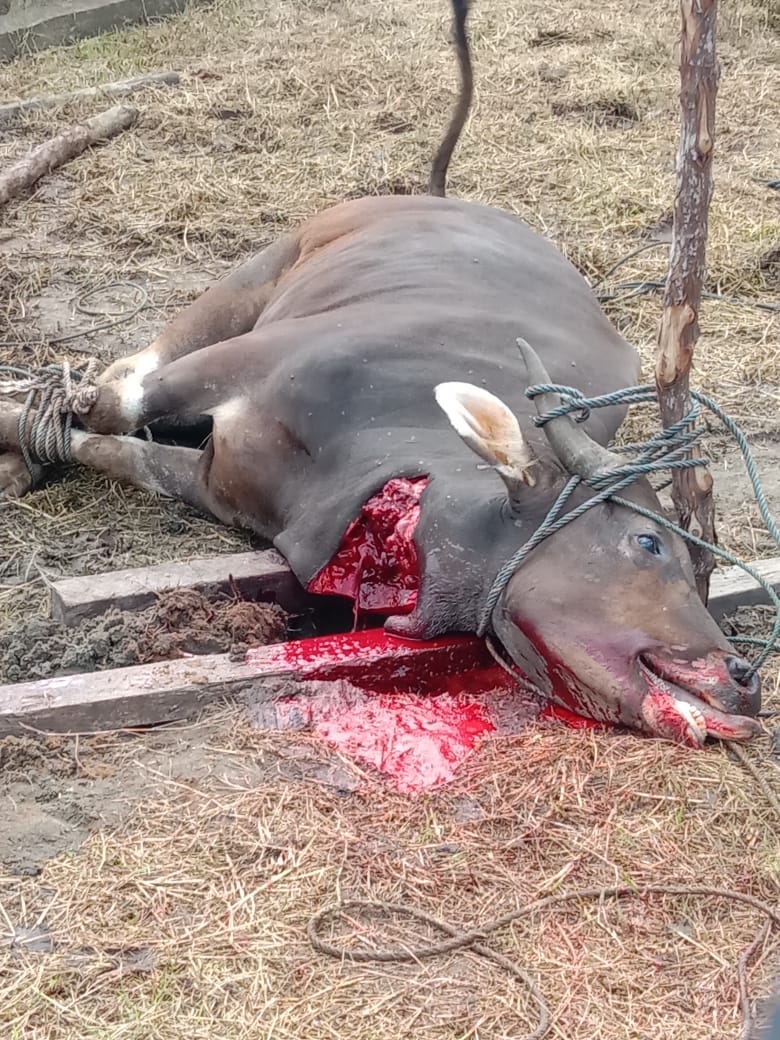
<point x="33" y="24"/>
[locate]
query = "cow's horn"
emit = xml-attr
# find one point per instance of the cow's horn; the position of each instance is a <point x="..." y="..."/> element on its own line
<point x="575" y="449"/>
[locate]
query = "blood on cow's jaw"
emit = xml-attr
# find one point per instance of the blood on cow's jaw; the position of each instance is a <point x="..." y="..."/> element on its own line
<point x="607" y="623"/>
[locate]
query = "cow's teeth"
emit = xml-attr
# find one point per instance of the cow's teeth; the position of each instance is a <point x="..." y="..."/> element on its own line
<point x="696" y="724"/>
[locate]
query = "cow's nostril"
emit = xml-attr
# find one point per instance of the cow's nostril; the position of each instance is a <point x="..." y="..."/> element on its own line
<point x="741" y="671"/>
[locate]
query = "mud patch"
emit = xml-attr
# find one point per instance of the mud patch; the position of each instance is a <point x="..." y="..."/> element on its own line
<point x="556" y="37"/>
<point x="769" y="265"/>
<point x="391" y="123"/>
<point x="398" y="186"/>
<point x="56" y="790"/>
<point x="181" y="622"/>
<point x="613" y="114"/>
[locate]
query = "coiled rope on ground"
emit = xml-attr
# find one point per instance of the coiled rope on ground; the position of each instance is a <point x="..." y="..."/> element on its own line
<point x="474" y="939"/>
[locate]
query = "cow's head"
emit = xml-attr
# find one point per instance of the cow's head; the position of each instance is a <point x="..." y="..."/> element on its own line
<point x="603" y="616"/>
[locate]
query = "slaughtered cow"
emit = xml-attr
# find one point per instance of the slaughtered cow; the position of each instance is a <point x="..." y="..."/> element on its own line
<point x="363" y="380"/>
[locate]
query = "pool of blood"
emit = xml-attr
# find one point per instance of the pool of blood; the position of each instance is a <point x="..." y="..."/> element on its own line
<point x="412" y="710"/>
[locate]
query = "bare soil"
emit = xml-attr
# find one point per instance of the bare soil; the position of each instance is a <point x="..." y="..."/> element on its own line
<point x="57" y="791"/>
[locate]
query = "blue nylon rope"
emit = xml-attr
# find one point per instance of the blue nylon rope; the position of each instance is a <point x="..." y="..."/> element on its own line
<point x="667" y="450"/>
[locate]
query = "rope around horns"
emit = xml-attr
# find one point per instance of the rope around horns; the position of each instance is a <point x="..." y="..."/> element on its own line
<point x="474" y="938"/>
<point x="667" y="450"/>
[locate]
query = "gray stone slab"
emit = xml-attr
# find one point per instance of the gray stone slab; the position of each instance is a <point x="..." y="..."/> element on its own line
<point x="35" y="24"/>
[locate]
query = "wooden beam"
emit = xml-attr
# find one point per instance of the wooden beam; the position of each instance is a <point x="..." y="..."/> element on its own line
<point x="147" y="695"/>
<point x="732" y="588"/>
<point x="142" y="695"/>
<point x="265" y="575"/>
<point x="255" y="575"/>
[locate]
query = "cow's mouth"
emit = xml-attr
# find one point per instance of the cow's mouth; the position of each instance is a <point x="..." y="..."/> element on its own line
<point x="690" y="704"/>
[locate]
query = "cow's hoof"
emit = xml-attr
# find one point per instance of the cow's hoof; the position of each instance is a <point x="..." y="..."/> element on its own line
<point x="109" y="414"/>
<point x="15" y="478"/>
<point x="119" y="407"/>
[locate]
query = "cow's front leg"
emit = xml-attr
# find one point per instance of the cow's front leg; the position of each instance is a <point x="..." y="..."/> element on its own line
<point x="180" y="473"/>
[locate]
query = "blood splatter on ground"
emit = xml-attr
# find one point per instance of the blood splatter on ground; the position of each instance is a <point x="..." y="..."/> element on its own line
<point x="416" y="741"/>
<point x="414" y="723"/>
<point x="413" y="711"/>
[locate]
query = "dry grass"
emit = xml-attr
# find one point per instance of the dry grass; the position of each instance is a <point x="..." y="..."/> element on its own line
<point x="191" y="920"/>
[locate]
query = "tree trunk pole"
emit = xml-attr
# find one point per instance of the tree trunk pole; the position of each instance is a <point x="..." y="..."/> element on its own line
<point x="679" y="326"/>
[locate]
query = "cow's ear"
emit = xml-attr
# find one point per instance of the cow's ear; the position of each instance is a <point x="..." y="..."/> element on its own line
<point x="491" y="430"/>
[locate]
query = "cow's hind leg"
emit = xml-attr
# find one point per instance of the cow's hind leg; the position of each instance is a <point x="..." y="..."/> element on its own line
<point x="180" y="473"/>
<point x="229" y="308"/>
<point x="185" y="389"/>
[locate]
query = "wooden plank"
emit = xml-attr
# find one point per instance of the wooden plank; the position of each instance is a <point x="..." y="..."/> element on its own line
<point x="142" y="695"/>
<point x="146" y="695"/>
<point x="731" y="587"/>
<point x="256" y="575"/>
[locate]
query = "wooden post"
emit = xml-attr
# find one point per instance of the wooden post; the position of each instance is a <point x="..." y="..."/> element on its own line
<point x="679" y="327"/>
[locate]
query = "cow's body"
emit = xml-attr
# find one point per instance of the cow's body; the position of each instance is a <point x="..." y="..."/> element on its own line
<point x="321" y="362"/>
<point x="331" y="394"/>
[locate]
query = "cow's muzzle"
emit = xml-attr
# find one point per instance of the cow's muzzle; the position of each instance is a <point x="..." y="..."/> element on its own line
<point x="717" y="695"/>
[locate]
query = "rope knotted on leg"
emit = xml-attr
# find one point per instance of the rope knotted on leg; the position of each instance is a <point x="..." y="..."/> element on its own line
<point x="54" y="395"/>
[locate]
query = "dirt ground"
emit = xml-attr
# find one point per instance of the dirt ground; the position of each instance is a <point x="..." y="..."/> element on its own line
<point x="160" y="882"/>
<point x="182" y="621"/>
<point x="211" y="846"/>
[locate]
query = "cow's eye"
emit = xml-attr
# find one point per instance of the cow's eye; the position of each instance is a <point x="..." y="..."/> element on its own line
<point x="650" y="542"/>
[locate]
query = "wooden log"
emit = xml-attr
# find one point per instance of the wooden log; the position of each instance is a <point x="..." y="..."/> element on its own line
<point x="254" y="575"/>
<point x="120" y="88"/>
<point x="679" y="325"/>
<point x="265" y="575"/>
<point x="732" y="588"/>
<point x="146" y="695"/>
<point x="62" y="148"/>
<point x="142" y="695"/>
<point x="679" y="328"/>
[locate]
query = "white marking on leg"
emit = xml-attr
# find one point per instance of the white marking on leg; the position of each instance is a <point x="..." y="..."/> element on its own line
<point x="131" y="389"/>
<point x="227" y="413"/>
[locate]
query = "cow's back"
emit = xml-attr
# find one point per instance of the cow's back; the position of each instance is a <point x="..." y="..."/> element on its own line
<point x="424" y="288"/>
